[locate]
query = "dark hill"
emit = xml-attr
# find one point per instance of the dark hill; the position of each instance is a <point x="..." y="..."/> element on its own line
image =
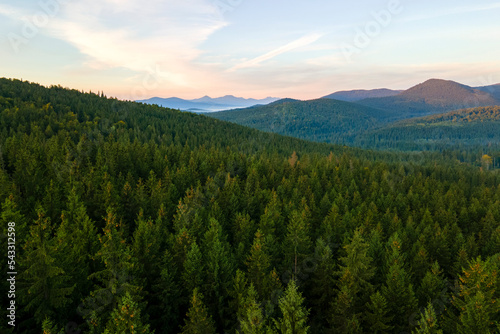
<point x="323" y="120"/>
<point x="457" y="129"/>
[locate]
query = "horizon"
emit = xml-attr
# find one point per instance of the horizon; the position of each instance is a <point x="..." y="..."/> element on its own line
<point x="214" y="48"/>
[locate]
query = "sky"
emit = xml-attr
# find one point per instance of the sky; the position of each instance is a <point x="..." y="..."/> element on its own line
<point x="136" y="49"/>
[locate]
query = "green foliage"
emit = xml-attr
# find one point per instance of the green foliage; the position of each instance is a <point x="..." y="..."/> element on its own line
<point x="198" y="320"/>
<point x="377" y="316"/>
<point x="294" y="314"/>
<point x="114" y="199"/>
<point x="126" y="318"/>
<point x="251" y="320"/>
<point x="428" y="322"/>
<point x="46" y="287"/>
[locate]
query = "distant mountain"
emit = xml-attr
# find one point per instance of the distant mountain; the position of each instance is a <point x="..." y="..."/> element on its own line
<point x="431" y="97"/>
<point x="208" y="104"/>
<point x="357" y="95"/>
<point x="457" y="129"/>
<point x="494" y="90"/>
<point x="322" y="120"/>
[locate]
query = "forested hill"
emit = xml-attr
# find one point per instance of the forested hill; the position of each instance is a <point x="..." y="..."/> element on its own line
<point x="131" y="218"/>
<point x="322" y="120"/>
<point x="55" y="109"/>
<point x="468" y="129"/>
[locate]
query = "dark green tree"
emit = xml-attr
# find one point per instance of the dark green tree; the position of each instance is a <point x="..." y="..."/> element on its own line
<point x="198" y="320"/>
<point x="294" y="314"/>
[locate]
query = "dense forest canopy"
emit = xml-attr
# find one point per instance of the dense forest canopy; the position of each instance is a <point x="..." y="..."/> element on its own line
<point x="139" y="219"/>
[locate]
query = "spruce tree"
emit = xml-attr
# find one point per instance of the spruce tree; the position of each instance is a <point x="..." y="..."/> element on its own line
<point x="428" y="322"/>
<point x="354" y="285"/>
<point x="258" y="264"/>
<point x="377" y="316"/>
<point x="398" y="290"/>
<point x="198" y="320"/>
<point x="297" y="243"/>
<point x="251" y="319"/>
<point x="294" y="314"/>
<point x="126" y="318"/>
<point x="193" y="275"/>
<point x="45" y="287"/>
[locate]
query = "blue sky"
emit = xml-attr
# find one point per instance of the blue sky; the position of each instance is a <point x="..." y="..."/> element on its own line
<point x="136" y="49"/>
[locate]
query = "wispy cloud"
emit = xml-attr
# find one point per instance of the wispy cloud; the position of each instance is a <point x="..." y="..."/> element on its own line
<point x="301" y="42"/>
<point x="161" y="37"/>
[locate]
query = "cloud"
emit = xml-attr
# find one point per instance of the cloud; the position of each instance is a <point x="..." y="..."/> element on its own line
<point x="160" y="37"/>
<point x="301" y="42"/>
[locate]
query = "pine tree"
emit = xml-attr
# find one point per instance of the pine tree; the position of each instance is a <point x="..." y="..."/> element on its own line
<point x="432" y="285"/>
<point x="377" y="315"/>
<point x="258" y="264"/>
<point x="219" y="272"/>
<point x="116" y="277"/>
<point x="297" y="243"/>
<point x="354" y="286"/>
<point x="48" y="327"/>
<point x="198" y="320"/>
<point x="146" y="250"/>
<point x="126" y="318"/>
<point x="76" y="244"/>
<point x="167" y="294"/>
<point x="193" y="275"/>
<point x="428" y="322"/>
<point x="251" y="319"/>
<point x="294" y="314"/>
<point x="477" y="299"/>
<point x="323" y="279"/>
<point x="46" y="285"/>
<point x="398" y="291"/>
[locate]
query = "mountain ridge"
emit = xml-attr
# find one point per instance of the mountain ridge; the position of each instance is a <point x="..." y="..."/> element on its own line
<point x="208" y="104"/>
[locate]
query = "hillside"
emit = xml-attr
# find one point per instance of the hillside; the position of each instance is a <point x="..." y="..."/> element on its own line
<point x="323" y="120"/>
<point x="431" y="97"/>
<point x="357" y="95"/>
<point x="462" y="129"/>
<point x="131" y="218"/>
<point x="494" y="90"/>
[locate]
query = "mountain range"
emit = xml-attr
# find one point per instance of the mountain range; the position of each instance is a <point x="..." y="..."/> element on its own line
<point x="342" y="122"/>
<point x="208" y="104"/>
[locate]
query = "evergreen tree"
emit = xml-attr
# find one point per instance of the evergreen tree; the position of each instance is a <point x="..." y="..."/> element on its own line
<point x="193" y="275"/>
<point x="76" y="244"/>
<point x="219" y="273"/>
<point x="145" y="250"/>
<point x="294" y="315"/>
<point x="377" y="316"/>
<point x="198" y="320"/>
<point x="428" y="322"/>
<point x="297" y="243"/>
<point x="126" y="318"/>
<point x="46" y="287"/>
<point x="258" y="264"/>
<point x="115" y="278"/>
<point x="354" y="286"/>
<point x="48" y="327"/>
<point x="398" y="291"/>
<point x="251" y="319"/>
<point x="477" y="299"/>
<point x="323" y="279"/>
